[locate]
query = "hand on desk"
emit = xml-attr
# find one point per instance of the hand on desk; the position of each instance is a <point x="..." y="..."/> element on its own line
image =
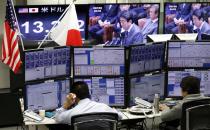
<point x="163" y="107"/>
<point x="70" y="100"/>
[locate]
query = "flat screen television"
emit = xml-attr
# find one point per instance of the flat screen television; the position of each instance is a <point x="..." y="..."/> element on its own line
<point x="47" y="95"/>
<point x="46" y="63"/>
<point x="96" y="61"/>
<point x="108" y="90"/>
<point x="146" y="58"/>
<point x="110" y="24"/>
<point x="187" y="17"/>
<point x="188" y="54"/>
<point x="175" y="77"/>
<point x="146" y="86"/>
<point x="35" y="21"/>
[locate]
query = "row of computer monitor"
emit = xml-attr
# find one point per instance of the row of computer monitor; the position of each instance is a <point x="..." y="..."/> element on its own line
<point x="35" y="21"/>
<point x="92" y="61"/>
<point x="110" y="61"/>
<point x="113" y="91"/>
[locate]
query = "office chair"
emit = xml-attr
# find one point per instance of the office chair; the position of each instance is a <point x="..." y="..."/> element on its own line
<point x="192" y="104"/>
<point x="10" y="110"/>
<point x="198" y="117"/>
<point x="94" y="121"/>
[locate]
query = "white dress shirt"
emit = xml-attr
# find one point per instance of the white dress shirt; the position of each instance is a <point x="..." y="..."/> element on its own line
<point x="84" y="106"/>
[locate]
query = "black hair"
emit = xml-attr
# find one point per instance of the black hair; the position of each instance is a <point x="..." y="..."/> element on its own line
<point x="126" y="15"/>
<point x="198" y="13"/>
<point x="190" y="84"/>
<point x="80" y="88"/>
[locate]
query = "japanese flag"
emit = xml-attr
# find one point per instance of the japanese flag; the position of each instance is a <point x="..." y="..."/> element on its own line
<point x="67" y="33"/>
<point x="33" y="10"/>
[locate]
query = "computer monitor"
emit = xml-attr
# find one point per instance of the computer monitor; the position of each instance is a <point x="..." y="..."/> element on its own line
<point x="99" y="61"/>
<point x="146" y="58"/>
<point x="188" y="54"/>
<point x="205" y="36"/>
<point x="105" y="26"/>
<point x="181" y="17"/>
<point x="108" y="90"/>
<point x="47" y="95"/>
<point x="46" y="63"/>
<point x="10" y="110"/>
<point x="175" y="77"/>
<point x="146" y="86"/>
<point x="35" y="21"/>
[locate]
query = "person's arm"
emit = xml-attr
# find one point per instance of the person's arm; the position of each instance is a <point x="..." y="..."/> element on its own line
<point x="63" y="114"/>
<point x="168" y="114"/>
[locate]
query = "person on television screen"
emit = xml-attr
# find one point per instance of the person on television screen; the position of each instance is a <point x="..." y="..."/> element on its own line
<point x="182" y="17"/>
<point x="208" y="18"/>
<point x="107" y="17"/>
<point x="78" y="102"/>
<point x="200" y="26"/>
<point x="130" y="32"/>
<point x="151" y="25"/>
<point x="190" y="88"/>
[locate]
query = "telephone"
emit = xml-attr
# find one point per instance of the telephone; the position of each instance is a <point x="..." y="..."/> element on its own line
<point x="142" y="107"/>
<point x="32" y="115"/>
<point x="142" y="103"/>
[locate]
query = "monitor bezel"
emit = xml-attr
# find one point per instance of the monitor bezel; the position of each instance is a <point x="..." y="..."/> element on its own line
<point x="150" y="71"/>
<point x="182" y="41"/>
<point x="145" y="75"/>
<point x="97" y="47"/>
<point x="125" y="88"/>
<point x="43" y="49"/>
<point x="38" y="82"/>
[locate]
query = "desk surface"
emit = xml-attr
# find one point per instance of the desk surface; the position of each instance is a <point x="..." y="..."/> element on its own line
<point x="125" y="116"/>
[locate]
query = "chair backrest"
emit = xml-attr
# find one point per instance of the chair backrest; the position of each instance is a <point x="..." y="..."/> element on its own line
<point x="198" y="117"/>
<point x="190" y="104"/>
<point x="10" y="110"/>
<point x="94" y="121"/>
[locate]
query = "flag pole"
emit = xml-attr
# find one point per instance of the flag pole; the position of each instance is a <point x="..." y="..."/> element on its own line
<point x="19" y="34"/>
<point x="56" y="24"/>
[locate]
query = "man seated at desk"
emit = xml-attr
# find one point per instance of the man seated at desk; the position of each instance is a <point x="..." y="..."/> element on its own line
<point x="190" y="87"/>
<point x="80" y="97"/>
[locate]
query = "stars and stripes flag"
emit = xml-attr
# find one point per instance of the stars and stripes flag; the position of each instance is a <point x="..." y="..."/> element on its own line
<point x="10" y="50"/>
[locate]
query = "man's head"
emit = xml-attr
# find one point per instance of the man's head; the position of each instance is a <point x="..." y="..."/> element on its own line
<point x="190" y="85"/>
<point x="126" y="19"/>
<point x="81" y="90"/>
<point x="153" y="12"/>
<point x="198" y="17"/>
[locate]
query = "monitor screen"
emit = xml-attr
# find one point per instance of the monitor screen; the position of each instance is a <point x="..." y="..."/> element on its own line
<point x="122" y="24"/>
<point x="47" y="95"/>
<point x="175" y="77"/>
<point x="47" y="63"/>
<point x="146" y="58"/>
<point x="146" y="87"/>
<point x="99" y="61"/>
<point x="187" y="18"/>
<point x="188" y="54"/>
<point x="106" y="90"/>
<point x="36" y="21"/>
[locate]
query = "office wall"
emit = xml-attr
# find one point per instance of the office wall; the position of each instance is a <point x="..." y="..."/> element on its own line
<point x="4" y="71"/>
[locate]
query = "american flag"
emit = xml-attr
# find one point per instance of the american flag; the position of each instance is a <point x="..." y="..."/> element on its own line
<point x="10" y="50"/>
